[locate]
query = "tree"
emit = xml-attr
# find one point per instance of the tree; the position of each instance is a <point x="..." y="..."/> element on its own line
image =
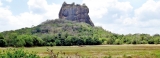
<point x="97" y="41"/>
<point x="89" y="41"/>
<point x="156" y="40"/>
<point x="37" y="41"/>
<point x="156" y="35"/>
<point x="118" y="41"/>
<point x="144" y="42"/>
<point x="1" y="36"/>
<point x="68" y="41"/>
<point x="58" y="42"/>
<point x="20" y="42"/>
<point x="110" y="40"/>
<point x="74" y="40"/>
<point x="3" y="43"/>
<point x="151" y="41"/>
<point x="12" y="39"/>
<point x="28" y="40"/>
<point x="79" y="42"/>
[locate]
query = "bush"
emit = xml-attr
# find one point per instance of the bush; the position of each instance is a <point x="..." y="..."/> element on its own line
<point x="117" y="42"/>
<point x="3" y="43"/>
<point x="17" y="53"/>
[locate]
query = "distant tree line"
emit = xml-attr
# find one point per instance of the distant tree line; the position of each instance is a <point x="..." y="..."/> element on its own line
<point x="30" y="40"/>
<point x="64" y="40"/>
<point x="133" y="39"/>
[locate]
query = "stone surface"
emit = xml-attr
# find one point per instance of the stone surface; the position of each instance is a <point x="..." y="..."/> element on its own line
<point x="75" y="13"/>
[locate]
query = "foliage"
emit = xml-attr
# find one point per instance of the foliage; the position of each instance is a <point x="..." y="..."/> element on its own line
<point x="17" y="53"/>
<point x="61" y="32"/>
<point x="2" y="43"/>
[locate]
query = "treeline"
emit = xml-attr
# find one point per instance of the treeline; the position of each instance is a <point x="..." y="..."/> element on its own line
<point x="67" y="33"/>
<point x="64" y="40"/>
<point x="133" y="39"/>
<point x="30" y="40"/>
<point x="20" y="40"/>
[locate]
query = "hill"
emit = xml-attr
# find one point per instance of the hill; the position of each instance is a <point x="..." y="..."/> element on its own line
<point x="56" y="32"/>
<point x="61" y="32"/>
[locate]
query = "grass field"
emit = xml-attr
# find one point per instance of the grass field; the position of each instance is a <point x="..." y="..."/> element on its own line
<point x="100" y="51"/>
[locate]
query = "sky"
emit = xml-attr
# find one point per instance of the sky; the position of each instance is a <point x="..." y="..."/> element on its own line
<point x="117" y="16"/>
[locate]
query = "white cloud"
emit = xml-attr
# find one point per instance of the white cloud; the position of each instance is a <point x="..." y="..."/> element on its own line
<point x="43" y="8"/>
<point x="52" y="11"/>
<point x="114" y="15"/>
<point x="144" y="19"/>
<point x="148" y="14"/>
<point x="8" y="21"/>
<point x="25" y="20"/>
<point x="5" y="13"/>
<point x="37" y="6"/>
<point x="9" y="0"/>
<point x="98" y="8"/>
<point x="1" y="3"/>
<point x="147" y="17"/>
<point x="149" y="10"/>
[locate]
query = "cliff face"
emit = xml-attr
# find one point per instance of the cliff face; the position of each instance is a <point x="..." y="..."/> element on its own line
<point x="74" y="12"/>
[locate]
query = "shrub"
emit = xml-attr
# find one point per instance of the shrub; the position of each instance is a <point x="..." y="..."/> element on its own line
<point x="3" y="43"/>
<point x="17" y="53"/>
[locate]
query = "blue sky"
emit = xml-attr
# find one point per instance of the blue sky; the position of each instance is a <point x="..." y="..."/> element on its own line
<point x="118" y="16"/>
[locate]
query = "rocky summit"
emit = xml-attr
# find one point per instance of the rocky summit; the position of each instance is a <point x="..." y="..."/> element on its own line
<point x="74" y="12"/>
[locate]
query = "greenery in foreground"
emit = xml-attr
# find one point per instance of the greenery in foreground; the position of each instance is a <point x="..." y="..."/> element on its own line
<point x="21" y="53"/>
<point x="62" y="32"/>
<point x="17" y="53"/>
<point x="109" y="51"/>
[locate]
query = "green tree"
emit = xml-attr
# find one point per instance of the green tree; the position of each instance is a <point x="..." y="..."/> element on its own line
<point x="20" y="42"/>
<point x="156" y="40"/>
<point x="97" y="41"/>
<point x="12" y="39"/>
<point x="151" y="41"/>
<point x="58" y="42"/>
<point x="3" y="42"/>
<point x="28" y="40"/>
<point x="144" y="42"/>
<point x="89" y="41"/>
<point x="68" y="41"/>
<point x="1" y="36"/>
<point x="118" y="41"/>
<point x="110" y="41"/>
<point x="37" y="41"/>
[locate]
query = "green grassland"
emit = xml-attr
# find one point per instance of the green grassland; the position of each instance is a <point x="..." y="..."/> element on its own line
<point x="100" y="51"/>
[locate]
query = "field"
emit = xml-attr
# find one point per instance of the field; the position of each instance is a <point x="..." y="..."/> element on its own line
<point x="100" y="51"/>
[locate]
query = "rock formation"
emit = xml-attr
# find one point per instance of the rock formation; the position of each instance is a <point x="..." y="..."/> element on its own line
<point x="75" y="13"/>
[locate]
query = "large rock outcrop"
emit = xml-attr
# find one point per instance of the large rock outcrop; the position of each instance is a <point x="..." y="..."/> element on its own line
<point x="75" y="13"/>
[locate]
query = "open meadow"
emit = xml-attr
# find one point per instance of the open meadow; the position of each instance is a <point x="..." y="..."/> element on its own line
<point x="100" y="51"/>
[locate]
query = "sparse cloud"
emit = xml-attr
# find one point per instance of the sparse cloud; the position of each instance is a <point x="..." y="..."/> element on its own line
<point x="123" y="18"/>
<point x="98" y="8"/>
<point x="9" y="0"/>
<point x="41" y="7"/>
<point x="117" y="16"/>
<point x="35" y="16"/>
<point x="1" y="3"/>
